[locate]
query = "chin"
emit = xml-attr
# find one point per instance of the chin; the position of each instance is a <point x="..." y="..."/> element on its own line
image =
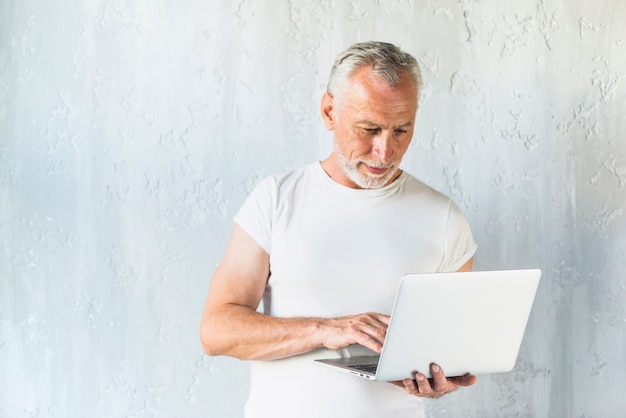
<point x="369" y="181"/>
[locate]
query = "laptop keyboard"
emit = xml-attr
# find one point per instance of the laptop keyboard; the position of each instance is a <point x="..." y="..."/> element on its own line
<point x="368" y="368"/>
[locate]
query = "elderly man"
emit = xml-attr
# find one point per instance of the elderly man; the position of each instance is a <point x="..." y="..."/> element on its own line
<point x="324" y="247"/>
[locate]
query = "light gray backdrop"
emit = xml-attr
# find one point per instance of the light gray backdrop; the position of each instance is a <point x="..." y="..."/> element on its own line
<point x="131" y="131"/>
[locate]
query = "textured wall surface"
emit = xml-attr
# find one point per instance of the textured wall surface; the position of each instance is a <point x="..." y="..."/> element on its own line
<point x="131" y="131"/>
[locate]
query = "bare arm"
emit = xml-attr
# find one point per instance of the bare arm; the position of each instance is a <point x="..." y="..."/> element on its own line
<point x="231" y="326"/>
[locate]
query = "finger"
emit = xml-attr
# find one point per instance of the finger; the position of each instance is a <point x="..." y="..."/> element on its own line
<point x="373" y="330"/>
<point x="465" y="380"/>
<point x="372" y="338"/>
<point x="440" y="383"/>
<point x="423" y="385"/>
<point x="410" y="387"/>
<point x="377" y="320"/>
<point x="384" y="319"/>
<point x="371" y="342"/>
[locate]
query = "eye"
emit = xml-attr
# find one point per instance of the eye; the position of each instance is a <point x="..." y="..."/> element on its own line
<point x="372" y="131"/>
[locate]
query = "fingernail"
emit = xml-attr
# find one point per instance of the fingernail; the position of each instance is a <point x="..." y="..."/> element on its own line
<point x="435" y="368"/>
<point x="419" y="377"/>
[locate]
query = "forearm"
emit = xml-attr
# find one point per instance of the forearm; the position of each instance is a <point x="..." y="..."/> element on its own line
<point x="240" y="332"/>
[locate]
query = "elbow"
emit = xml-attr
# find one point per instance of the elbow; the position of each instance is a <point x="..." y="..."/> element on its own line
<point x="208" y="349"/>
<point x="216" y="340"/>
<point x="221" y="336"/>
<point x="209" y="339"/>
<point x="220" y="342"/>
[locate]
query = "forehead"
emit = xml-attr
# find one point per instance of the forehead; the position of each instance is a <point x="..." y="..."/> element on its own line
<point x="366" y="96"/>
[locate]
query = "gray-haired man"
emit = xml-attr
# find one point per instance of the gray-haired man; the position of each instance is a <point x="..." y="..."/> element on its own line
<point x="305" y="240"/>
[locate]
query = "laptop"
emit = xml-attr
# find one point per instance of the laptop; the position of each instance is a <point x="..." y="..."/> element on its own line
<point x="467" y="322"/>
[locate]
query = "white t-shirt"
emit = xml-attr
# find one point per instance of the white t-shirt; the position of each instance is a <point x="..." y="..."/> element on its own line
<point x="339" y="251"/>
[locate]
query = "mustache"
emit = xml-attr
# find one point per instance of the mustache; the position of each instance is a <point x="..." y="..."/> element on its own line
<point x="377" y="164"/>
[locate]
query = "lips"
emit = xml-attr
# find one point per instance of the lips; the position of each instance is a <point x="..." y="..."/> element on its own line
<point x="377" y="171"/>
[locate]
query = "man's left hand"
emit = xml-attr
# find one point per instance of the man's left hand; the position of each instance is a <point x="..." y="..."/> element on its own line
<point x="437" y="386"/>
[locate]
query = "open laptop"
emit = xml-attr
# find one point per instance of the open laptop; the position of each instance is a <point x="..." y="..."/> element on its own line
<point x="467" y="322"/>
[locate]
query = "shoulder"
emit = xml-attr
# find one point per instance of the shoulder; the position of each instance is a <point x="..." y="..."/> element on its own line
<point x="270" y="199"/>
<point x="282" y="183"/>
<point x="415" y="187"/>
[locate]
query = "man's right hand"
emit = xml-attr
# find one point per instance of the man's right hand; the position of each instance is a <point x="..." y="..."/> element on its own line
<point x="367" y="329"/>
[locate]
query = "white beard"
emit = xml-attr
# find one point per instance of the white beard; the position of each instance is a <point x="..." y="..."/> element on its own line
<point x="365" y="180"/>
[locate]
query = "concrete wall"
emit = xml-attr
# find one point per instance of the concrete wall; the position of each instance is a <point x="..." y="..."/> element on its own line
<point x="131" y="131"/>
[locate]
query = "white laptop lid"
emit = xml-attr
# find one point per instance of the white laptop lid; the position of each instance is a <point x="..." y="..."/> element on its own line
<point x="467" y="322"/>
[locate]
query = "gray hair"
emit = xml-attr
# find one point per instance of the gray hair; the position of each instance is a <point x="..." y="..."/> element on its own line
<point x="386" y="60"/>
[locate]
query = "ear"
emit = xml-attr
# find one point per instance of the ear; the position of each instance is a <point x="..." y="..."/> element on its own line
<point x="328" y="111"/>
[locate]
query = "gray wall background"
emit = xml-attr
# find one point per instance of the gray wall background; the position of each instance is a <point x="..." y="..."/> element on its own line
<point x="131" y="131"/>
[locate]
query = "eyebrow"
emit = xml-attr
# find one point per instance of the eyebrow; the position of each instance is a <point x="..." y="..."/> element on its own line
<point x="372" y="124"/>
<point x="406" y="125"/>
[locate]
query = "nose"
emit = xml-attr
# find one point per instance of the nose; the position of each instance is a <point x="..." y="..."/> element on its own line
<point x="382" y="147"/>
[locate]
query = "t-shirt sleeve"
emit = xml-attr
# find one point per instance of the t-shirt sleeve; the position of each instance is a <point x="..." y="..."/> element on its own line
<point x="459" y="245"/>
<point x="256" y="214"/>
